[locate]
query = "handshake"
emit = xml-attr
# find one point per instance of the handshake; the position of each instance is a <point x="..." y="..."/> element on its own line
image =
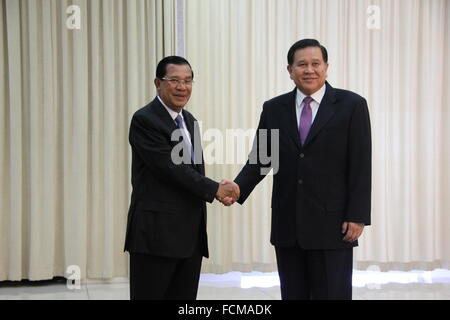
<point x="228" y="192"/>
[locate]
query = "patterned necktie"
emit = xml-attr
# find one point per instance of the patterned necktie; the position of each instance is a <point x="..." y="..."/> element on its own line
<point x="180" y="126"/>
<point x="305" y="119"/>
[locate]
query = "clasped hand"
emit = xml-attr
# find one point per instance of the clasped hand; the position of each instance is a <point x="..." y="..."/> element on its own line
<point x="228" y="192"/>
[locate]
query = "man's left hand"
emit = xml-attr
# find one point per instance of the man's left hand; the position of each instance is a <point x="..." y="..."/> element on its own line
<point x="352" y="231"/>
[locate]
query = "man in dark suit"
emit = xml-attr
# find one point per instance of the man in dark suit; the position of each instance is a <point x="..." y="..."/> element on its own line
<point x="321" y="195"/>
<point x="166" y="229"/>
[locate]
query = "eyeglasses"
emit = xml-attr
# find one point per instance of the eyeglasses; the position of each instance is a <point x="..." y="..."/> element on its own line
<point x="176" y="82"/>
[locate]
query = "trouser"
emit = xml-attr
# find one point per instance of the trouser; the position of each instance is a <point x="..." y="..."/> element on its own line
<point x="315" y="274"/>
<point x="162" y="278"/>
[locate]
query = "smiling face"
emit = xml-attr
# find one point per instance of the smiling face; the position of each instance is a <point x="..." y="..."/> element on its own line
<point x="308" y="70"/>
<point x="175" y="95"/>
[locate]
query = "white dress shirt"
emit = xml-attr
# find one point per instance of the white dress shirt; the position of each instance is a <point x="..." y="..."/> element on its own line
<point x="174" y="114"/>
<point x="317" y="98"/>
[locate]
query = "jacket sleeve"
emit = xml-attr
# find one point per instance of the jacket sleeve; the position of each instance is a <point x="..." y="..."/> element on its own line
<point x="155" y="150"/>
<point x="255" y="169"/>
<point x="359" y="166"/>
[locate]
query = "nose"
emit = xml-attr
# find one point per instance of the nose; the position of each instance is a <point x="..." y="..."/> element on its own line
<point x="181" y="86"/>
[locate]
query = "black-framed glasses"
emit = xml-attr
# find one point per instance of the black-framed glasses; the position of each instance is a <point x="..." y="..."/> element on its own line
<point x="176" y="82"/>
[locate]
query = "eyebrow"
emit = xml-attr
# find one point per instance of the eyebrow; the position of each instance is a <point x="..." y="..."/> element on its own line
<point x="314" y="60"/>
<point x="178" y="78"/>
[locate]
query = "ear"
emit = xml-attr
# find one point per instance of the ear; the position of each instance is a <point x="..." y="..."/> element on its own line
<point x="289" y="69"/>
<point x="157" y="83"/>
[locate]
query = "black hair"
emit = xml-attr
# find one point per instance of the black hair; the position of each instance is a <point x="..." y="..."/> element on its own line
<point x="304" y="43"/>
<point x="161" y="68"/>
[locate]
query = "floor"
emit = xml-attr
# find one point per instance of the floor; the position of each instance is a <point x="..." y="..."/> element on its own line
<point x="367" y="285"/>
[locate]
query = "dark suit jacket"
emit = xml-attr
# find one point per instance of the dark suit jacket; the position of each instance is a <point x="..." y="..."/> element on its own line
<point x="167" y="215"/>
<point x="324" y="182"/>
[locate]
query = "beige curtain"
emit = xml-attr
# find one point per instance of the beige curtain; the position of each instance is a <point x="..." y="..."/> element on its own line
<point x="67" y="96"/>
<point x="238" y="50"/>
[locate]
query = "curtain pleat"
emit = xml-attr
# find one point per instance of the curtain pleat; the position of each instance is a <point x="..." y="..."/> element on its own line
<point x="402" y="70"/>
<point x="67" y="98"/>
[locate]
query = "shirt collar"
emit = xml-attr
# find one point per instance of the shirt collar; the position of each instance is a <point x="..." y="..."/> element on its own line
<point x="317" y="96"/>
<point x="172" y="113"/>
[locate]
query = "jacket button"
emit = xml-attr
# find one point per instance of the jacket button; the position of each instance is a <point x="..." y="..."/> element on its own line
<point x="300" y="181"/>
<point x="302" y="155"/>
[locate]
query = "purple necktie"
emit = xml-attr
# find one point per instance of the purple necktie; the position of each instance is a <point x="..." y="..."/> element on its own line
<point x="305" y="119"/>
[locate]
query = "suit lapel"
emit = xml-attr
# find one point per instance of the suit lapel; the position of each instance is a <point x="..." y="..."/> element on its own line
<point x="326" y="110"/>
<point x="291" y="118"/>
<point x="190" y="127"/>
<point x="164" y="115"/>
<point x="170" y="123"/>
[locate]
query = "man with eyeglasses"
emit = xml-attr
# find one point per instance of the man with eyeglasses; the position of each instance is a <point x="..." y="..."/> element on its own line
<point x="166" y="230"/>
